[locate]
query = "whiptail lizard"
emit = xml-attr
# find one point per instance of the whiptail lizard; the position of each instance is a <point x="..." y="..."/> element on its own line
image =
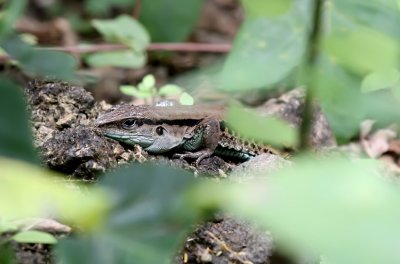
<point x="198" y="131"/>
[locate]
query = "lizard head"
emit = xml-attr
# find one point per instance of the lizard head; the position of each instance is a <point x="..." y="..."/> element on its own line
<point x="154" y="137"/>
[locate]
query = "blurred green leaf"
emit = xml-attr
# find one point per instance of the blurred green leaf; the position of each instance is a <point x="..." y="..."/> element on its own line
<point x="381" y="15"/>
<point x="34" y="193"/>
<point x="266" y="8"/>
<point x="34" y="236"/>
<point x="169" y="89"/>
<point x="170" y="20"/>
<point x="340" y="98"/>
<point x="380" y="80"/>
<point x="28" y="38"/>
<point x="363" y="50"/>
<point x="346" y="106"/>
<point x="6" y="225"/>
<point x="129" y="90"/>
<point x="337" y="200"/>
<point x="124" y="59"/>
<point x="7" y="256"/>
<point x="125" y="30"/>
<point x="11" y="12"/>
<point x="148" y="221"/>
<point x="148" y="83"/>
<point x="15" y="134"/>
<point x="264" y="129"/>
<point x="102" y="7"/>
<point x="266" y="50"/>
<point x="46" y="63"/>
<point x="186" y="99"/>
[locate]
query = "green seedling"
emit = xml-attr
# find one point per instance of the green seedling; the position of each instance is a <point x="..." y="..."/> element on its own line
<point x="148" y="91"/>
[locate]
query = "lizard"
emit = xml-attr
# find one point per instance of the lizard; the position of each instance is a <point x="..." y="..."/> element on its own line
<point x="199" y="131"/>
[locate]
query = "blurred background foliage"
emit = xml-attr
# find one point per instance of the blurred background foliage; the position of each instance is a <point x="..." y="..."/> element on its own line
<point x="344" y="211"/>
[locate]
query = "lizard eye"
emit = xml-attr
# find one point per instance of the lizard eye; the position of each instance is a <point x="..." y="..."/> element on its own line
<point x="160" y="130"/>
<point x="129" y="123"/>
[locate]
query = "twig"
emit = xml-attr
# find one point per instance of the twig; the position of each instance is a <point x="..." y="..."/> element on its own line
<point x="137" y="8"/>
<point x="309" y="66"/>
<point x="4" y="58"/>
<point x="190" y="47"/>
<point x="179" y="47"/>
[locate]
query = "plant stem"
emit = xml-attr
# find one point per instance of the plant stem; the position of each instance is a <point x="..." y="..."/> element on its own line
<point x="309" y="70"/>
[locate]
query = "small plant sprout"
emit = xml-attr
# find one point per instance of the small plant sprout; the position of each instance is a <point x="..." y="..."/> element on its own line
<point x="147" y="90"/>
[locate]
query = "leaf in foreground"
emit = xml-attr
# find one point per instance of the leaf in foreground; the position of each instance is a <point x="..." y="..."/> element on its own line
<point x="125" y="30"/>
<point x="35" y="192"/>
<point x="124" y="59"/>
<point x="343" y="210"/>
<point x="173" y="25"/>
<point x="34" y="236"/>
<point x="15" y="134"/>
<point x="266" y="50"/>
<point x="148" y="220"/>
<point x="36" y="62"/>
<point x="266" y="8"/>
<point x="250" y="124"/>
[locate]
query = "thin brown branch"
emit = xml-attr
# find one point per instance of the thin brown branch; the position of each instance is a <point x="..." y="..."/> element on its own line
<point x="4" y="58"/>
<point x="178" y="47"/>
<point x="191" y="47"/>
<point x="137" y="8"/>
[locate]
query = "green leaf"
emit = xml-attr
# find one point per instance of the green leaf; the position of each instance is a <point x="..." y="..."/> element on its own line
<point x="381" y="15"/>
<point x="129" y="90"/>
<point x="6" y="226"/>
<point x="148" y="83"/>
<point x="174" y="25"/>
<point x="7" y="255"/>
<point x="125" y="30"/>
<point x="380" y="80"/>
<point x="124" y="59"/>
<point x="266" y="50"/>
<point x="46" y="63"/>
<point x="186" y="99"/>
<point x="264" y="129"/>
<point x="363" y="50"/>
<point x="133" y="91"/>
<point x="15" y="133"/>
<point x="10" y="14"/>
<point x="150" y="217"/>
<point x="34" y="192"/>
<point x="266" y="8"/>
<point x="331" y="200"/>
<point x="34" y="236"/>
<point x="339" y="94"/>
<point x="346" y="106"/>
<point x="103" y="7"/>
<point x="170" y="89"/>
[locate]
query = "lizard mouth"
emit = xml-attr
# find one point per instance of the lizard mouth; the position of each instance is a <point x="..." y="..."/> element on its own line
<point x="130" y="139"/>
